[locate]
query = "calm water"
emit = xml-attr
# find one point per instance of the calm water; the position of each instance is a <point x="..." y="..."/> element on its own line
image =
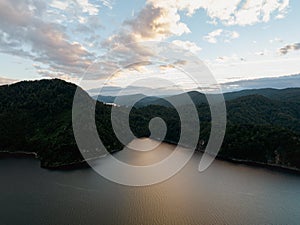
<point x="224" y="194"/>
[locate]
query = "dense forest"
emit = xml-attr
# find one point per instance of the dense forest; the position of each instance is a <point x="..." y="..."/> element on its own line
<point x="36" y="116"/>
<point x="258" y="129"/>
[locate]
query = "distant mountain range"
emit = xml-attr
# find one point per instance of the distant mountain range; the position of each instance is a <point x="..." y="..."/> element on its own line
<point x="127" y="100"/>
<point x="36" y="117"/>
<point x="261" y="83"/>
<point x="288" y="94"/>
<point x="281" y="82"/>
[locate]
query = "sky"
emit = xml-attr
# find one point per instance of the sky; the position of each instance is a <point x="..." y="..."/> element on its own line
<point x="237" y="40"/>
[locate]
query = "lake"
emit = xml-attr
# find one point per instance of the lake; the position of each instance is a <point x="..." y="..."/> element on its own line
<point x="225" y="193"/>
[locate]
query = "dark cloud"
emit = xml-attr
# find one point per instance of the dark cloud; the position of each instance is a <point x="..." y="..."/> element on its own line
<point x="289" y="48"/>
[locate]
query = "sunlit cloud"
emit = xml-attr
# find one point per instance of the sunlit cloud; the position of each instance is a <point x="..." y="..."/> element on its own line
<point x="221" y="35"/>
<point x="5" y="80"/>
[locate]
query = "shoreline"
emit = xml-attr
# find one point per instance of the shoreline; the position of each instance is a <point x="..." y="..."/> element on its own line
<point x="273" y="167"/>
<point x="19" y="154"/>
<point x="83" y="164"/>
<point x="276" y="167"/>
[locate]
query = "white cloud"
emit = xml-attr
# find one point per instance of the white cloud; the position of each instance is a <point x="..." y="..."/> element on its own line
<point x="88" y="7"/>
<point x="62" y="5"/>
<point x="212" y="36"/>
<point x="279" y="40"/>
<point x="262" y="53"/>
<point x="244" y="12"/>
<point x="107" y="3"/>
<point x="221" y="35"/>
<point x="84" y="6"/>
<point x="189" y="6"/>
<point x="188" y="45"/>
<point x="234" y="35"/>
<point x="234" y="58"/>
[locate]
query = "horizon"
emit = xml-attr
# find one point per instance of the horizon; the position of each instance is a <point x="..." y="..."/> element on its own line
<point x="143" y="91"/>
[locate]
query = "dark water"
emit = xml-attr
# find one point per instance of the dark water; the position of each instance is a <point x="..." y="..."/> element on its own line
<point x="224" y="194"/>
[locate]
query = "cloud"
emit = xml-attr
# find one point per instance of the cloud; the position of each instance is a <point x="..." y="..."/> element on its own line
<point x="62" y="5"/>
<point x="63" y="36"/>
<point x="108" y="3"/>
<point x="156" y="21"/>
<point x="155" y="24"/>
<point x="173" y="65"/>
<point x="230" y="59"/>
<point x="4" y="80"/>
<point x="289" y="48"/>
<point x="244" y="12"/>
<point x="188" y="6"/>
<point x="278" y="40"/>
<point x="188" y="45"/>
<point x="24" y="32"/>
<point x="84" y="6"/>
<point x="212" y="36"/>
<point x="221" y="35"/>
<point x="87" y="7"/>
<point x="260" y="53"/>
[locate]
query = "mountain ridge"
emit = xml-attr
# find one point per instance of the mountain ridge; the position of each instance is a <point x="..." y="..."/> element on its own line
<point x="286" y="94"/>
<point x="36" y="117"/>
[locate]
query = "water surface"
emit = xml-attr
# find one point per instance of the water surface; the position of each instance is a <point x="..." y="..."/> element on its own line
<point x="226" y="193"/>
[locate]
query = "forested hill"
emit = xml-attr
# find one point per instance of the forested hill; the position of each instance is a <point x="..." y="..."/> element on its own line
<point x="258" y="129"/>
<point x="263" y="130"/>
<point x="36" y="116"/>
<point x="287" y="94"/>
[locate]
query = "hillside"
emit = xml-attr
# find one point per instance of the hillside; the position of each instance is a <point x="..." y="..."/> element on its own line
<point x="287" y="94"/>
<point x="36" y="117"/>
<point x="258" y="130"/>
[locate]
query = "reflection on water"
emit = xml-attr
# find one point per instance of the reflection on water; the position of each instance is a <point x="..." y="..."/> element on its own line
<point x="224" y="194"/>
